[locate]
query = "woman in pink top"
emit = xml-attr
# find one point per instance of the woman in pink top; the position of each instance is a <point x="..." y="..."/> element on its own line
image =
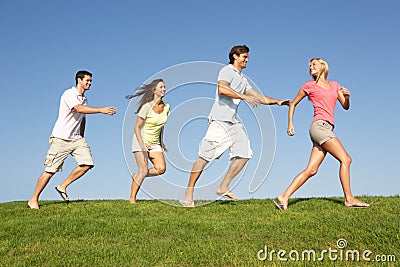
<point x="323" y="94"/>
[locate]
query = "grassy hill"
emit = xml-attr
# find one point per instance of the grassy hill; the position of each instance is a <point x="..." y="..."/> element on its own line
<point x="222" y="233"/>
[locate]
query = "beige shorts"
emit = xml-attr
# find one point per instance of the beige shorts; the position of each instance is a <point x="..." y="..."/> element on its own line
<point x="136" y="147"/>
<point x="60" y="149"/>
<point x="223" y="135"/>
<point x="321" y="131"/>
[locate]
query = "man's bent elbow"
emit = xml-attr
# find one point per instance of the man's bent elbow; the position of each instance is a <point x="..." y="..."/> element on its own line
<point x="78" y="108"/>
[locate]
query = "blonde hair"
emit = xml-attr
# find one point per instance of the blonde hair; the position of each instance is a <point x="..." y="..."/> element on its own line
<point x="323" y="71"/>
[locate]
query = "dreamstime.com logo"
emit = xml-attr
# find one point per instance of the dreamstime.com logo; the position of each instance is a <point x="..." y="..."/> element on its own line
<point x="190" y="92"/>
<point x="339" y="254"/>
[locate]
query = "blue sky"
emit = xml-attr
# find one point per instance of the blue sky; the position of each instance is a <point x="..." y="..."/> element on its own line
<point x="126" y="43"/>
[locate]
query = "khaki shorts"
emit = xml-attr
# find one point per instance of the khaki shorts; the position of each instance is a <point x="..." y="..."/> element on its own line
<point x="60" y="149"/>
<point x="321" y="131"/>
<point x="136" y="147"/>
<point x="223" y="135"/>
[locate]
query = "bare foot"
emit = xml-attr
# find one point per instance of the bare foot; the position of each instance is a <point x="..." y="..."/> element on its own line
<point x="33" y="205"/>
<point x="355" y="203"/>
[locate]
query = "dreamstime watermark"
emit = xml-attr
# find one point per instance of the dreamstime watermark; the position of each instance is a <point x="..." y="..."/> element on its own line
<point x="340" y="253"/>
<point x="191" y="89"/>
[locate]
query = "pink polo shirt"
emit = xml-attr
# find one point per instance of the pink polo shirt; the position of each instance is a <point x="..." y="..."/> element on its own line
<point x="323" y="100"/>
<point x="68" y="124"/>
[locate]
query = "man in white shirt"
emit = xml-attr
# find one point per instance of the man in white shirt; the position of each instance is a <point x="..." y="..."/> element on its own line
<point x="225" y="130"/>
<point x="68" y="138"/>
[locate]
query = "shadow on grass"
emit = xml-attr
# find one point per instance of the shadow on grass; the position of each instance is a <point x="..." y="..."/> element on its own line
<point x="226" y="202"/>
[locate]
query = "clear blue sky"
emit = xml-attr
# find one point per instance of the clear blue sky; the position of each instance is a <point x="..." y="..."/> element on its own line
<point x="125" y="43"/>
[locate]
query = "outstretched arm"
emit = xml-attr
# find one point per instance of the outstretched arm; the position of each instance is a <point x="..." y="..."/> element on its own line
<point x="92" y="110"/>
<point x="267" y="100"/>
<point x="224" y="88"/>
<point x="344" y="97"/>
<point x="300" y="95"/>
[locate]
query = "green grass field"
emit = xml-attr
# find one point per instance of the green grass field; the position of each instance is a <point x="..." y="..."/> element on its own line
<point x="222" y="233"/>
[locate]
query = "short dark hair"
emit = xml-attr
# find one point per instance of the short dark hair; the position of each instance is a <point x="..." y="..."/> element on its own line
<point x="81" y="74"/>
<point x="237" y="50"/>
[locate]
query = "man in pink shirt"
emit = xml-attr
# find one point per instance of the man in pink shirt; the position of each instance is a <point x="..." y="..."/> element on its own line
<point x="68" y="138"/>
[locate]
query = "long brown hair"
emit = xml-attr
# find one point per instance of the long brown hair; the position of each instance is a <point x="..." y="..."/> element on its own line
<point x="146" y="91"/>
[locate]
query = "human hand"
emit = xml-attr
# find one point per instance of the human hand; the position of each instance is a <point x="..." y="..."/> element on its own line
<point x="345" y="91"/>
<point x="290" y="130"/>
<point x="285" y="102"/>
<point x="147" y="146"/>
<point x="164" y="148"/>
<point x="254" y="101"/>
<point x="109" y="110"/>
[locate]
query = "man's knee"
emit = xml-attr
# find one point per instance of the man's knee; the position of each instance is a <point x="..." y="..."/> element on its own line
<point x="85" y="168"/>
<point x="47" y="174"/>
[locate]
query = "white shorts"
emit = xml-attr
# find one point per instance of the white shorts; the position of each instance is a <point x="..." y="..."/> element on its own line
<point x="222" y="135"/>
<point x="136" y="147"/>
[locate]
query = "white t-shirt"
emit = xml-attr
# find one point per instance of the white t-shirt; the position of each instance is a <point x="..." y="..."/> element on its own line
<point x="68" y="124"/>
<point x="224" y="107"/>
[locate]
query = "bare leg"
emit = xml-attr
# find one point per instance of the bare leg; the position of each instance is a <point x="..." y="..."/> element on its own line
<point x="316" y="158"/>
<point x="44" y="178"/>
<point x="197" y="169"/>
<point x="158" y="161"/>
<point x="137" y="179"/>
<point x="335" y="147"/>
<point x="74" y="175"/>
<point x="235" y="167"/>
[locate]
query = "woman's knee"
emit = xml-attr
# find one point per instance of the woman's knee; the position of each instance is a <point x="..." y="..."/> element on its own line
<point x="160" y="169"/>
<point x="311" y="172"/>
<point x="347" y="160"/>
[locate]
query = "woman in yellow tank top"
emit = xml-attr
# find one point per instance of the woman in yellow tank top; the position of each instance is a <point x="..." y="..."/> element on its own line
<point x="147" y="142"/>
